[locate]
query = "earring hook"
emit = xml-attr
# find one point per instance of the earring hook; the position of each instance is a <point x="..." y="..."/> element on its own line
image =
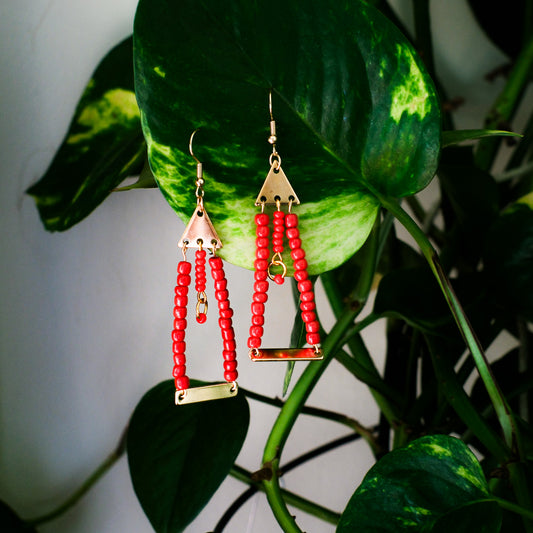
<point x="199" y="174"/>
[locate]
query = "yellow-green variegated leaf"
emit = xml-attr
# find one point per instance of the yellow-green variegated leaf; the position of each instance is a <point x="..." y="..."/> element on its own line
<point x="355" y="113"/>
<point x="103" y="146"/>
<point x="434" y="481"/>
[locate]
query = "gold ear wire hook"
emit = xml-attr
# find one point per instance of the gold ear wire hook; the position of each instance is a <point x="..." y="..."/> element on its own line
<point x="273" y="138"/>
<point x="199" y="174"/>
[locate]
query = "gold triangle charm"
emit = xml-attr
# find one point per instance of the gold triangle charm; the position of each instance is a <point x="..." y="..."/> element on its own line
<point x="276" y="185"/>
<point x="200" y="231"/>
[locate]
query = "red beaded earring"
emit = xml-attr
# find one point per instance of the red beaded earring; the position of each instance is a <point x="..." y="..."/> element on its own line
<point x="201" y="234"/>
<point x="277" y="191"/>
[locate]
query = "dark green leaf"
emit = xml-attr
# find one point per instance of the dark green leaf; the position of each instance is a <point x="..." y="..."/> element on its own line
<point x="509" y="260"/>
<point x="11" y="523"/>
<point x="449" y="138"/>
<point x="179" y="455"/>
<point x="103" y="146"/>
<point x="481" y="517"/>
<point x="354" y="107"/>
<point x="413" y="488"/>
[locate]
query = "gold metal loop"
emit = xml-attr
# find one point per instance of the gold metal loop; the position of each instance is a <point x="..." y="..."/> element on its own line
<point x="277" y="260"/>
<point x="202" y="301"/>
<point x="275" y="158"/>
<point x="199" y="174"/>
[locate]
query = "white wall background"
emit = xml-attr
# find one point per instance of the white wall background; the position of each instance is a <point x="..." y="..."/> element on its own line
<point x="86" y="315"/>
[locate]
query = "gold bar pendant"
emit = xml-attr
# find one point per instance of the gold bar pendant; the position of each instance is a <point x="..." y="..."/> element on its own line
<point x="204" y="394"/>
<point x="286" y="354"/>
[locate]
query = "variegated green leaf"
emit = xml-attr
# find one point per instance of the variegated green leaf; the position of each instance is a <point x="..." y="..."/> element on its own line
<point x="354" y="107"/>
<point x="104" y="145"/>
<point x="417" y="488"/>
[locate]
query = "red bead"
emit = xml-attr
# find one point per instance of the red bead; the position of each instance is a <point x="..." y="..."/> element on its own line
<point x="304" y="286"/>
<point x="180" y="312"/>
<point x="216" y="263"/>
<point x="254" y="342"/>
<point x="308" y="296"/>
<point x="230" y="366"/>
<point x="200" y="254"/>
<point x="262" y="231"/>
<point x="229" y="355"/>
<point x="225" y="323"/>
<point x="256" y="331"/>
<point x="178" y="347"/>
<point x="308" y="316"/>
<point x="278" y="215"/>
<point x="276" y="242"/>
<point x="261" y="242"/>
<point x="292" y="233"/>
<point x="291" y="220"/>
<point x="258" y="308"/>
<point x="261" y="264"/>
<point x="260" y="275"/>
<point x="201" y="318"/>
<point x="223" y="305"/>
<point x="262" y="219"/>
<point x="258" y="320"/>
<point x="228" y="334"/>
<point x="308" y="306"/>
<point x="301" y="264"/>
<point x="181" y="291"/>
<point x="260" y="297"/>
<point x="180" y="324"/>
<point x="229" y="345"/>
<point x="217" y="274"/>
<point x="199" y="287"/>
<point x="178" y="335"/>
<point x="279" y="279"/>
<point x="230" y="376"/>
<point x="295" y="243"/>
<point x="179" y="359"/>
<point x="297" y="253"/>
<point x="182" y="383"/>
<point x="222" y="295"/>
<point x="262" y="253"/>
<point x="221" y="284"/>
<point x="312" y="338"/>
<point x="184" y="280"/>
<point x="181" y="301"/>
<point x="178" y="371"/>
<point x="312" y="327"/>
<point x="184" y="267"/>
<point x="261" y="286"/>
<point x="301" y="275"/>
<point x="226" y="313"/>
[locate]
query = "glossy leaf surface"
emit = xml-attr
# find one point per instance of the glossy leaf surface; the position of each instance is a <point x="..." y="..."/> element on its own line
<point x="179" y="455"/>
<point x="354" y="109"/>
<point x="419" y="487"/>
<point x="103" y="146"/>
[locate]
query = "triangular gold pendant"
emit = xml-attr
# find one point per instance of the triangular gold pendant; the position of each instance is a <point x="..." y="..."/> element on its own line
<point x="200" y="231"/>
<point x="276" y="185"/>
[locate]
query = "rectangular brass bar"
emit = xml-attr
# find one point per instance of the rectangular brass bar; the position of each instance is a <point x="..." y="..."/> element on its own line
<point x="204" y="394"/>
<point x="286" y="354"/>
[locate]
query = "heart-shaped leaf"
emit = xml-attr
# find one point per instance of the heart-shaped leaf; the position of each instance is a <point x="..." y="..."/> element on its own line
<point x="354" y="107"/>
<point x="103" y="146"/>
<point x="179" y="455"/>
<point x="419" y="487"/>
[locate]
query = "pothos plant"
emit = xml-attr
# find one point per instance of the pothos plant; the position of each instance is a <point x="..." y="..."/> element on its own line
<point x="366" y="125"/>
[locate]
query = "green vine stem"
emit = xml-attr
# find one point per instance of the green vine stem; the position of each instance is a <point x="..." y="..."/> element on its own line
<point x="506" y="104"/>
<point x="303" y="387"/>
<point x="78" y="494"/>
<point x="501" y="407"/>
<point x="513" y="507"/>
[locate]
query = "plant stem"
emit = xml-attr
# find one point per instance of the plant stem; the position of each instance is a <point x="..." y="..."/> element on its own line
<point x="505" y="105"/>
<point x="75" y="497"/>
<point x="501" y="407"/>
<point x="513" y="507"/>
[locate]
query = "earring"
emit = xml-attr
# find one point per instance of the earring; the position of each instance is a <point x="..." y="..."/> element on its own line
<point x="277" y="191"/>
<point x="201" y="234"/>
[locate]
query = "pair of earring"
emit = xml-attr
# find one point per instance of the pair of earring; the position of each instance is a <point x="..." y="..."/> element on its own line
<point x="201" y="235"/>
